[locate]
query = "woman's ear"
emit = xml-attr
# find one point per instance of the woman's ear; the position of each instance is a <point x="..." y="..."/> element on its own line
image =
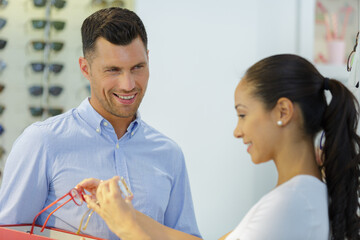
<point x="283" y="111"/>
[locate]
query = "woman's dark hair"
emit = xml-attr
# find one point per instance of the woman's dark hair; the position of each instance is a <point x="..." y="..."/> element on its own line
<point x="295" y="78"/>
<point x="117" y="25"/>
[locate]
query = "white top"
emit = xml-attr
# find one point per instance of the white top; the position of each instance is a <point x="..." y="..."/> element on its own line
<point x="297" y="209"/>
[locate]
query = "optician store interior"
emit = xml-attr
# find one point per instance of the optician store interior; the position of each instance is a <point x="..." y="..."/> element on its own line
<point x="199" y="50"/>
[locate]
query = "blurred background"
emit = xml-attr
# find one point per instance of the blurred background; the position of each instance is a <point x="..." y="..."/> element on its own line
<point x="199" y="50"/>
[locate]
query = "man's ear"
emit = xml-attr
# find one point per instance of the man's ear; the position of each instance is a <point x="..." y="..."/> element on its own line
<point x="84" y="67"/>
<point x="283" y="111"/>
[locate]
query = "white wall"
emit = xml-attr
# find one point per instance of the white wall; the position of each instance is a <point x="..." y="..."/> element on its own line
<point x="198" y="52"/>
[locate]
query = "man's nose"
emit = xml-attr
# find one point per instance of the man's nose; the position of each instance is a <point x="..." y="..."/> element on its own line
<point x="126" y="81"/>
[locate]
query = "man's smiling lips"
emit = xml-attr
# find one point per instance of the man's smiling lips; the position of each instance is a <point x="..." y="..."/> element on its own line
<point x="126" y="99"/>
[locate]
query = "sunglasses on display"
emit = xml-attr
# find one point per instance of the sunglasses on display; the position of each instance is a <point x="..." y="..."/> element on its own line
<point x="3" y="3"/>
<point x="108" y="3"/>
<point x="2" y="65"/>
<point x="38" y="90"/>
<point x="2" y="22"/>
<point x="2" y="86"/>
<point x="2" y="43"/>
<point x="40" y="45"/>
<point x="40" y="24"/>
<point x="39" y="111"/>
<point x="2" y="152"/>
<point x="2" y="130"/>
<point x="53" y="67"/>
<point x="77" y="196"/>
<point x="2" y="108"/>
<point x="56" y="3"/>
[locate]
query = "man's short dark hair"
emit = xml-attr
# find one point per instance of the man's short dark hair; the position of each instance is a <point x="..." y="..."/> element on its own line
<point x="117" y="25"/>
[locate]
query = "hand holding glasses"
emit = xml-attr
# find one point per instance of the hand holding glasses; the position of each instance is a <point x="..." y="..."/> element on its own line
<point x="126" y="194"/>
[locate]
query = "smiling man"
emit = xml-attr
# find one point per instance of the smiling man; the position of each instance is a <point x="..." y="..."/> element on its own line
<point x="101" y="138"/>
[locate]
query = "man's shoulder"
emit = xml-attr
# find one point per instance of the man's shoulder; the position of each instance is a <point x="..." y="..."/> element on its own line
<point x="52" y="125"/>
<point x="151" y="133"/>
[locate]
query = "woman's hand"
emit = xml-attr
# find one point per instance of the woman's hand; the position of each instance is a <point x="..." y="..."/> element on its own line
<point x="117" y="212"/>
<point x="90" y="185"/>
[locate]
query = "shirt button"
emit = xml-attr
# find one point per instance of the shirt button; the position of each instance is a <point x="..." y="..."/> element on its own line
<point x="132" y="133"/>
<point x="117" y="146"/>
<point x="105" y="124"/>
<point x="98" y="130"/>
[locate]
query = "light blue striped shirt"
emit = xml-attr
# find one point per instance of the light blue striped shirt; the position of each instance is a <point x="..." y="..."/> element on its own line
<point x="52" y="156"/>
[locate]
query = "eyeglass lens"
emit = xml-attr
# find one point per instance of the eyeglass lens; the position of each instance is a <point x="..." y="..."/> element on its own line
<point x="2" y="86"/>
<point x="2" y="130"/>
<point x="2" y="108"/>
<point x="2" y="43"/>
<point x="2" y="65"/>
<point x="2" y="22"/>
<point x="2" y="152"/>
<point x="77" y="196"/>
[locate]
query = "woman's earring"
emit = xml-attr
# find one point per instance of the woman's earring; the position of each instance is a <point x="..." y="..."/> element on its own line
<point x="279" y="123"/>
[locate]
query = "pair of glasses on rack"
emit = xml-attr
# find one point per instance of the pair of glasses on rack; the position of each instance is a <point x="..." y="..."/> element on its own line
<point x="3" y="3"/>
<point x="2" y="129"/>
<point x="2" y="152"/>
<point x="53" y="67"/>
<point x="41" y="23"/>
<point x="108" y="3"/>
<point x="56" y="3"/>
<point x="39" y="111"/>
<point x="2" y="87"/>
<point x="2" y="43"/>
<point x="2" y="65"/>
<point x="39" y="90"/>
<point x="2" y="109"/>
<point x="40" y="45"/>
<point x="2" y="22"/>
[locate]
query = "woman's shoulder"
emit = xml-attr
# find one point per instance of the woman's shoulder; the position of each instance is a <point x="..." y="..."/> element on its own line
<point x="297" y="209"/>
<point x="302" y="194"/>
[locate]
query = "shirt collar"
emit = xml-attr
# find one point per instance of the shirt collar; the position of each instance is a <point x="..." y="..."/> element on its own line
<point x="94" y="119"/>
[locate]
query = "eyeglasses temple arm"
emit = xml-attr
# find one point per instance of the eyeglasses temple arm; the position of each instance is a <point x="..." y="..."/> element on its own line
<point x="47" y="219"/>
<point x="33" y="224"/>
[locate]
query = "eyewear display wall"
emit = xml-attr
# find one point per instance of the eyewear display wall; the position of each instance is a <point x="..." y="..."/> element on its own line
<point x="40" y="42"/>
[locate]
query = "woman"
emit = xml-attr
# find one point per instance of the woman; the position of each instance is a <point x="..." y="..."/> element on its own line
<point x="281" y="106"/>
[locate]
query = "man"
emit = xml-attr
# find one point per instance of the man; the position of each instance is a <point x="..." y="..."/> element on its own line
<point x="101" y="138"/>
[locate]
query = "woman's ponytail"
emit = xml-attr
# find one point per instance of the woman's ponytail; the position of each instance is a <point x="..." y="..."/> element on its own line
<point x="341" y="161"/>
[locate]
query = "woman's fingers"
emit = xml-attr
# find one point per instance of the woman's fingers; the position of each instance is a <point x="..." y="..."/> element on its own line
<point x="89" y="184"/>
<point x="92" y="203"/>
